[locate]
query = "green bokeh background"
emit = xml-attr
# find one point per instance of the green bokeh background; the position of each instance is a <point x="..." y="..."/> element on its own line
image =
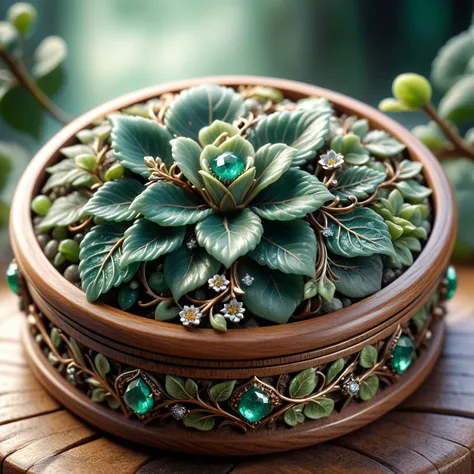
<point x="355" y="47"/>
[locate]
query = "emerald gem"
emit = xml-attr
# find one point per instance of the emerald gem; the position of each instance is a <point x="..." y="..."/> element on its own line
<point x="452" y="282"/>
<point x="254" y="404"/>
<point x="138" y="396"/>
<point x="127" y="297"/>
<point x="227" y="166"/>
<point x="403" y="354"/>
<point x="12" y="277"/>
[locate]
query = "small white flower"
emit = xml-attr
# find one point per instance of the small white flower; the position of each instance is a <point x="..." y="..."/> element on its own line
<point x="234" y="310"/>
<point x="218" y="283"/>
<point x="191" y="244"/>
<point x="248" y="280"/>
<point x="190" y="316"/>
<point x="327" y="232"/>
<point x="331" y="160"/>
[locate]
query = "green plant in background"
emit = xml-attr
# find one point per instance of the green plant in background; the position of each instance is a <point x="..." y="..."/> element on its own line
<point x="25" y="91"/>
<point x="447" y="133"/>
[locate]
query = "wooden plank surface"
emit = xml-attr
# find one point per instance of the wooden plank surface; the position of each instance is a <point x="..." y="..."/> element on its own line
<point x="432" y="432"/>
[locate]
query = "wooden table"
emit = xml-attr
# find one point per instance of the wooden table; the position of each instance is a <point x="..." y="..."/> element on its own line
<point x="432" y="432"/>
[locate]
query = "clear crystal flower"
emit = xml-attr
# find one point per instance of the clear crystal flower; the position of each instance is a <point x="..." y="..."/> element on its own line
<point x="191" y="243"/>
<point x="190" y="316"/>
<point x="331" y="160"/>
<point x="327" y="232"/>
<point x="218" y="283"/>
<point x="234" y="310"/>
<point x="248" y="280"/>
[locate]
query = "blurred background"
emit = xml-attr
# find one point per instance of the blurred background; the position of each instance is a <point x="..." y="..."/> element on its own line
<point x="355" y="47"/>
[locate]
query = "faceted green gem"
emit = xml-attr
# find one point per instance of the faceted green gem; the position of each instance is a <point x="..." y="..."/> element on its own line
<point x="138" y="396"/>
<point x="227" y="166"/>
<point x="254" y="405"/>
<point x="12" y="277"/>
<point x="452" y="282"/>
<point x="403" y="354"/>
<point x="127" y="297"/>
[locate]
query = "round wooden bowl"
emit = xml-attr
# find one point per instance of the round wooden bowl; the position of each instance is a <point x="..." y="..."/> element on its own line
<point x="158" y="348"/>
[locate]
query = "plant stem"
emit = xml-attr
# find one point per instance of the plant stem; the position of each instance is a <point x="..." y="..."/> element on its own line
<point x="17" y="68"/>
<point x="460" y="147"/>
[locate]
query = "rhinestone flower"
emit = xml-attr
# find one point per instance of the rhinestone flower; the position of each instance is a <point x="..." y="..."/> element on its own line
<point x="218" y="283"/>
<point x="327" y="232"/>
<point x="179" y="412"/>
<point x="248" y="280"/>
<point x="234" y="310"/>
<point x="191" y="244"/>
<point x="331" y="160"/>
<point x="190" y="316"/>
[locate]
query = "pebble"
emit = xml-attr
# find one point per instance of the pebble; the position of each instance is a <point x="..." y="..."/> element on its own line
<point x="346" y="302"/>
<point x="335" y="305"/>
<point x="78" y="238"/>
<point x="43" y="239"/>
<point x="388" y="276"/>
<point x="398" y="272"/>
<point x="427" y="226"/>
<point x="51" y="249"/>
<point x="72" y="273"/>
<point x="251" y="324"/>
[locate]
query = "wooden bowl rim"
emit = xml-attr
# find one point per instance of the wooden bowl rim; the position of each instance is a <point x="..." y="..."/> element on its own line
<point x="288" y="338"/>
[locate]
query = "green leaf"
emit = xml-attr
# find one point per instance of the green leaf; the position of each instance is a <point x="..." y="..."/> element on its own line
<point x="100" y="255"/>
<point x="381" y="144"/>
<point x="358" y="277"/>
<point x="55" y="337"/>
<point x="169" y="205"/>
<point x="215" y="188"/>
<point x="186" y="153"/>
<point x="358" y="181"/>
<point x="369" y="387"/>
<point x="208" y="135"/>
<point x="114" y="199"/>
<point x="66" y="172"/>
<point x="166" y="310"/>
<point x="413" y="191"/>
<point x="458" y="103"/>
<point x="180" y="389"/>
<point x="320" y="408"/>
<point x="98" y="395"/>
<point x="287" y="246"/>
<point x="326" y="288"/>
<point x="294" y="195"/>
<point x="361" y="232"/>
<point x="317" y="104"/>
<point x="410" y="169"/>
<point x="146" y="241"/>
<point x="294" y="416"/>
<point x="310" y="289"/>
<point x="431" y="135"/>
<point x="271" y="161"/>
<point x="350" y="146"/>
<point x="218" y="322"/>
<point x="227" y="238"/>
<point x="76" y="150"/>
<point x="452" y="60"/>
<point x="273" y="295"/>
<point x="368" y="357"/>
<point x="334" y="370"/>
<point x="403" y="256"/>
<point x="238" y="189"/>
<point x="360" y="128"/>
<point x="133" y="138"/>
<point x="200" y="420"/>
<point x="304" y="130"/>
<point x="64" y="211"/>
<point x="76" y="353"/>
<point x="197" y="107"/>
<point x="222" y="391"/>
<point x="102" y="365"/>
<point x="303" y="384"/>
<point x="185" y="270"/>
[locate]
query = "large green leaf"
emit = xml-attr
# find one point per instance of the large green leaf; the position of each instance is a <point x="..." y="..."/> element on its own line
<point x="113" y="200"/>
<point x="168" y="205"/>
<point x="185" y="270"/>
<point x="222" y="391"/>
<point x="304" y="130"/>
<point x="350" y="146"/>
<point x="133" y="138"/>
<point x="100" y="255"/>
<point x="413" y="191"/>
<point x="66" y="172"/>
<point x="361" y="232"/>
<point x="271" y="161"/>
<point x="198" y="107"/>
<point x="358" y="181"/>
<point x="358" y="277"/>
<point x="145" y="241"/>
<point x="458" y="103"/>
<point x="287" y="246"/>
<point x="227" y="238"/>
<point x="64" y="211"/>
<point x="273" y="295"/>
<point x="294" y="195"/>
<point x="320" y="408"/>
<point x="381" y="144"/>
<point x="410" y="169"/>
<point x="369" y="387"/>
<point x="186" y="153"/>
<point x="303" y="384"/>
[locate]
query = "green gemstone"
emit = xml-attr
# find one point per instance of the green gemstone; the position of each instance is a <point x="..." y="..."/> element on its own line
<point x="138" y="396"/>
<point x="254" y="405"/>
<point x="12" y="277"/>
<point x="227" y="166"/>
<point x="403" y="354"/>
<point x="452" y="282"/>
<point x="127" y="297"/>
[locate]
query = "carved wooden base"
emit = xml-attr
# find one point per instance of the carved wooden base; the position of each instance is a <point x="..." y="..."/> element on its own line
<point x="224" y="442"/>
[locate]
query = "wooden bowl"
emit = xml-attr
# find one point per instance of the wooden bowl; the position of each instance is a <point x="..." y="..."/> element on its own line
<point x="159" y="348"/>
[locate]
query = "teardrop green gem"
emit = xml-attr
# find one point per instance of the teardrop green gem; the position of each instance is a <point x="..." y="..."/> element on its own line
<point x="254" y="404"/>
<point x="452" y="282"/>
<point x="403" y="354"/>
<point x="12" y="277"/>
<point x="227" y="166"/>
<point x="138" y="396"/>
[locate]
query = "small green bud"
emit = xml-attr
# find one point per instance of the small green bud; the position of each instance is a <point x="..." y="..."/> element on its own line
<point x="219" y="323"/>
<point x="85" y="136"/>
<point x="87" y="162"/>
<point x="59" y="259"/>
<point x="395" y="230"/>
<point x="310" y="289"/>
<point x="40" y="205"/>
<point x="263" y="94"/>
<point x="102" y="132"/>
<point x="70" y="249"/>
<point x="116" y="171"/>
<point x="9" y="39"/>
<point x="393" y="105"/>
<point x="22" y="16"/>
<point x="59" y="233"/>
<point x="412" y="90"/>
